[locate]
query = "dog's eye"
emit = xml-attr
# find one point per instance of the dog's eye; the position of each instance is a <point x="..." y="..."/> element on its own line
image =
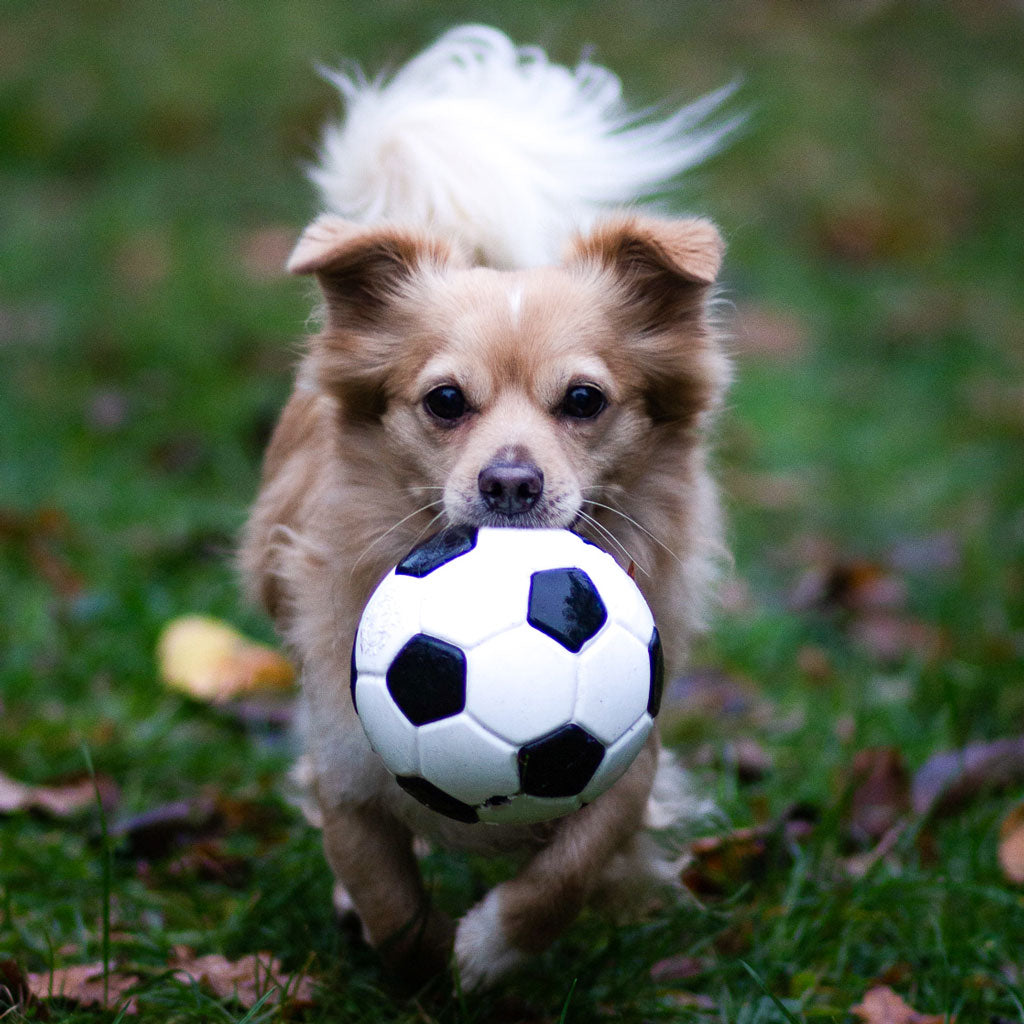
<point x="583" y="402"/>
<point x="446" y="403"/>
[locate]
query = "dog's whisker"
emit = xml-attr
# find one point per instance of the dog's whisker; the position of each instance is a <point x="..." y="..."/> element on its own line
<point x="609" y="536"/>
<point x="391" y="529"/>
<point x="643" y="529"/>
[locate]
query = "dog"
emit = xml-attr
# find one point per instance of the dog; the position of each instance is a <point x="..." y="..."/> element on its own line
<point x="505" y="339"/>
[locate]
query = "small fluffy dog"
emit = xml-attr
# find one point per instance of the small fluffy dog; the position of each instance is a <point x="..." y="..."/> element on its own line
<point x="501" y="344"/>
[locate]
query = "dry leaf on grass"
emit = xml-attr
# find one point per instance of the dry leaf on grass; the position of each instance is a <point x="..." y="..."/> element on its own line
<point x="210" y="660"/>
<point x="43" y="535"/>
<point x="881" y="793"/>
<point x="1011" y="845"/>
<point x="952" y="777"/>
<point x="59" y="801"/>
<point x="83" y="984"/>
<point x="883" y="1006"/>
<point x="247" y="980"/>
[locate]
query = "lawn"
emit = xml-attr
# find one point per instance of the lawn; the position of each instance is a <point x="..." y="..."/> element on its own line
<point x="871" y="453"/>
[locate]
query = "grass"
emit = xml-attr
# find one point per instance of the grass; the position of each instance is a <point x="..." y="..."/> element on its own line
<point x="151" y="161"/>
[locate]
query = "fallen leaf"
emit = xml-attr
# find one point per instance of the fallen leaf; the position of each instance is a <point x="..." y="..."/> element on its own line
<point x="14" y="990"/>
<point x="160" y="830"/>
<point x="59" y="801"/>
<point x="854" y="585"/>
<point x="1011" y="845"/>
<point x="209" y="660"/>
<point x="881" y="793"/>
<point x="678" y="968"/>
<point x="948" y="779"/>
<point x="245" y="980"/>
<point x="170" y="828"/>
<point x="43" y="535"/>
<point x="84" y="984"/>
<point x="719" y="864"/>
<point x="883" y="1006"/>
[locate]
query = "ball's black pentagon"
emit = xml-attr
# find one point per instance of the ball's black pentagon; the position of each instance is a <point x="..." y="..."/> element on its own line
<point x="561" y="763"/>
<point x="657" y="674"/>
<point x="565" y="604"/>
<point x="427" y="679"/>
<point x="353" y="675"/>
<point x="438" y="550"/>
<point x="437" y="799"/>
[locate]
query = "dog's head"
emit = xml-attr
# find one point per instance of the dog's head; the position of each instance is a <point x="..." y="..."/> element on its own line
<point x="519" y="398"/>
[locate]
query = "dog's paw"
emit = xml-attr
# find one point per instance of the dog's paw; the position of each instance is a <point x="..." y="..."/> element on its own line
<point x="482" y="953"/>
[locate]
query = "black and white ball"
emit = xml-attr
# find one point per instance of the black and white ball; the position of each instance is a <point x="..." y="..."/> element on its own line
<point x="506" y="675"/>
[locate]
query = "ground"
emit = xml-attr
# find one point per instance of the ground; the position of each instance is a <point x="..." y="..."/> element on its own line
<point x="871" y="450"/>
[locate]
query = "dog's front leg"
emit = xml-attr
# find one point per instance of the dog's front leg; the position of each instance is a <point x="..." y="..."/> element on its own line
<point x="527" y="913"/>
<point x="371" y="855"/>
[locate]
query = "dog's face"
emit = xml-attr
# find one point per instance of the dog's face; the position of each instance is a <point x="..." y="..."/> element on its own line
<point x="519" y="398"/>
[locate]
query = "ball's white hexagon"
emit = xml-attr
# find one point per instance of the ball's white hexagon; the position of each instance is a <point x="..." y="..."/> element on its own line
<point x="524" y="809"/>
<point x="391" y="617"/>
<point x="521" y="684"/>
<point x="612" y="683"/>
<point x="390" y="733"/>
<point x="618" y="757"/>
<point x="621" y="595"/>
<point x="466" y="760"/>
<point x="463" y="606"/>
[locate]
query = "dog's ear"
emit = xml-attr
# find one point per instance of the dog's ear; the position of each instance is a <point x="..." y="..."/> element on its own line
<point x="661" y="274"/>
<point x="361" y="270"/>
<point x="363" y="273"/>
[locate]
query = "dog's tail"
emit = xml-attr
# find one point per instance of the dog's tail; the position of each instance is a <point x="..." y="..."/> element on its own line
<point x="501" y="150"/>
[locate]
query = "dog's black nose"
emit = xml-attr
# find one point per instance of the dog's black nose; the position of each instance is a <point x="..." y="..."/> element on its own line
<point x="510" y="487"/>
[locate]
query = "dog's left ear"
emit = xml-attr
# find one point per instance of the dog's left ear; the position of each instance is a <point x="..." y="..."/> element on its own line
<point x="661" y="273"/>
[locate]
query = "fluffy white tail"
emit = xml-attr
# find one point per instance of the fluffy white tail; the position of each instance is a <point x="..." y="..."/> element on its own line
<point x="498" y="148"/>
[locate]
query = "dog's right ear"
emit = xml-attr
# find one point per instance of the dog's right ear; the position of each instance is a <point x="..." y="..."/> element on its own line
<point x="363" y="273"/>
<point x="360" y="269"/>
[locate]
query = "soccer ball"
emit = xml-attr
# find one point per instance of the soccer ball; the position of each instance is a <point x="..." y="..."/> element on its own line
<point x="506" y="675"/>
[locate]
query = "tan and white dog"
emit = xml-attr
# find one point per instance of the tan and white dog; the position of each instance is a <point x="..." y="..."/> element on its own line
<point x="501" y="343"/>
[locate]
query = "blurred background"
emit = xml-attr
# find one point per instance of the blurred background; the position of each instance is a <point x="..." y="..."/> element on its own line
<point x="152" y="182"/>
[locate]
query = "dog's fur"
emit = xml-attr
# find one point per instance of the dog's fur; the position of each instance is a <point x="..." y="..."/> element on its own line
<point x="451" y="188"/>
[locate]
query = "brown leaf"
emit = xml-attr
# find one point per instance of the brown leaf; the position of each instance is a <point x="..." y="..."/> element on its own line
<point x="722" y="863"/>
<point x="881" y="793"/>
<point x="854" y="585"/>
<point x="883" y="1006"/>
<point x="42" y="534"/>
<point x="1011" y="845"/>
<point x="58" y="801"/>
<point x="678" y="968"/>
<point x="83" y="984"/>
<point x="246" y="979"/>
<point x="209" y="660"/>
<point x="950" y="778"/>
<point x="14" y="989"/>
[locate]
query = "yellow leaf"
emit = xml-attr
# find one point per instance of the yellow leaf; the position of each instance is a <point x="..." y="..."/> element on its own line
<point x="210" y="660"/>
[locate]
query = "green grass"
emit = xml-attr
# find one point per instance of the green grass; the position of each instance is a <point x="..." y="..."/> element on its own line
<point x="876" y="196"/>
